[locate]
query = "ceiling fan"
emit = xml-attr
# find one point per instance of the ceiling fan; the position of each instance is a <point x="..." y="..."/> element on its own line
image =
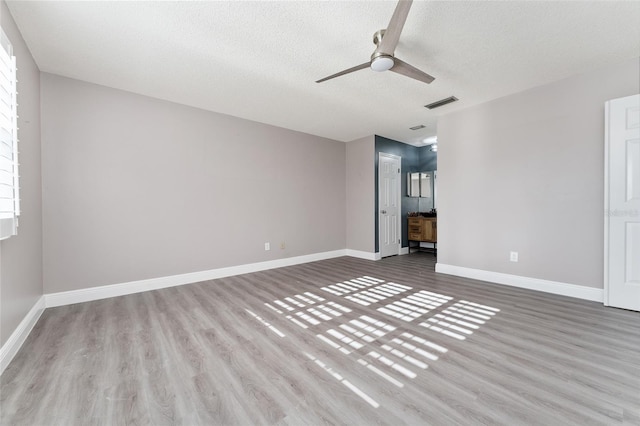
<point x="382" y="58"/>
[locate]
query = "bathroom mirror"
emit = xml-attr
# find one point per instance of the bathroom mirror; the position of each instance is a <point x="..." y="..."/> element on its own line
<point x="413" y="184"/>
<point x="423" y="185"/>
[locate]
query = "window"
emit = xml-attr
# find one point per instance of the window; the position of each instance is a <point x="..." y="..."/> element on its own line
<point x="9" y="194"/>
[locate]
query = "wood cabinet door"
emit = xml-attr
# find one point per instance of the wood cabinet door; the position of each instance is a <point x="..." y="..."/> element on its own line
<point x="429" y="230"/>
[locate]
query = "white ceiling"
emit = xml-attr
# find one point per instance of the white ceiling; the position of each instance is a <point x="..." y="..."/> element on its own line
<point x="260" y="60"/>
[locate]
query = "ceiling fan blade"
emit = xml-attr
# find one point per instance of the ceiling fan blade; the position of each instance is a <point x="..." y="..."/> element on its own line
<point x="407" y="70"/>
<point x="347" y="71"/>
<point x="392" y="34"/>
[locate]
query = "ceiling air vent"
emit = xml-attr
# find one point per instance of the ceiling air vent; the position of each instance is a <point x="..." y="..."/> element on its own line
<point x="418" y="127"/>
<point x="441" y="102"/>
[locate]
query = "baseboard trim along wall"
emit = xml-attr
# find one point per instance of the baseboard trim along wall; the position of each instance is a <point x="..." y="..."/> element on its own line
<point x="104" y="292"/>
<point x="20" y="334"/>
<point x="363" y="254"/>
<point x="563" y="289"/>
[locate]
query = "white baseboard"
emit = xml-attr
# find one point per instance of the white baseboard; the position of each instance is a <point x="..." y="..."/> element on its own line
<point x="564" y="289"/>
<point x="404" y="250"/>
<point x="114" y="290"/>
<point x="20" y="334"/>
<point x="363" y="254"/>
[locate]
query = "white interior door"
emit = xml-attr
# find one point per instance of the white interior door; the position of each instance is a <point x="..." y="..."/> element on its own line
<point x="622" y="203"/>
<point x="389" y="204"/>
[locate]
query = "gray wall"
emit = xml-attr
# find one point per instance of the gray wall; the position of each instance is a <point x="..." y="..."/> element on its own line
<point x="525" y="173"/>
<point x="361" y="194"/>
<point x="21" y="255"/>
<point x="137" y="188"/>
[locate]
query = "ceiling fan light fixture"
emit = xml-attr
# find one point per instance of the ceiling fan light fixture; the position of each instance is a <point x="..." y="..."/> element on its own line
<point x="382" y="63"/>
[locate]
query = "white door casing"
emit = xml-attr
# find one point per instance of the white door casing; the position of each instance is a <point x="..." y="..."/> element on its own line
<point x="389" y="204"/>
<point x="622" y="203"/>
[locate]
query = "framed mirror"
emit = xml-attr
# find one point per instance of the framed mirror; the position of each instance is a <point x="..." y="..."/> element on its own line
<point x="413" y="184"/>
<point x="423" y="185"/>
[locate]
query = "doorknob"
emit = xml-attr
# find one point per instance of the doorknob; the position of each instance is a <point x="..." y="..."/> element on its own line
<point x="383" y="211"/>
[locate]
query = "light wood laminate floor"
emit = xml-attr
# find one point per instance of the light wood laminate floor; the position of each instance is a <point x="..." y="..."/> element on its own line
<point x="340" y="341"/>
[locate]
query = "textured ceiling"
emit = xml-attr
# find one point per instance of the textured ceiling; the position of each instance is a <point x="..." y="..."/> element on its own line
<point x="260" y="60"/>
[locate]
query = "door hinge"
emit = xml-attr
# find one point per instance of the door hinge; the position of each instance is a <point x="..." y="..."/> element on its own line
<point x="398" y="240"/>
<point x="398" y="170"/>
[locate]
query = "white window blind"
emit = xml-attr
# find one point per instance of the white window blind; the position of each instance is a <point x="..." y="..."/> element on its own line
<point x="9" y="189"/>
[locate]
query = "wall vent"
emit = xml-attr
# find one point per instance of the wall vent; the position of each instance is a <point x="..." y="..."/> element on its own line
<point x="418" y="127"/>
<point x="441" y="102"/>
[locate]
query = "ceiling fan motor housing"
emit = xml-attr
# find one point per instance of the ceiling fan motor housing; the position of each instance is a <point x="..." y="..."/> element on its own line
<point x="380" y="61"/>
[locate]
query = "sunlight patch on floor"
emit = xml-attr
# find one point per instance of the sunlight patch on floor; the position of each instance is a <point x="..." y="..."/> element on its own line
<point x="300" y="313"/>
<point x="389" y="352"/>
<point x="377" y="294"/>
<point x="415" y="305"/>
<point x="344" y="381"/>
<point x="460" y="319"/>
<point x="266" y="324"/>
<point x="349" y="286"/>
<point x="359" y="332"/>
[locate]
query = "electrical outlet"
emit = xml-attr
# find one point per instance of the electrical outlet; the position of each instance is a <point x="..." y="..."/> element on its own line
<point x="282" y="246"/>
<point x="513" y="256"/>
<point x="267" y="246"/>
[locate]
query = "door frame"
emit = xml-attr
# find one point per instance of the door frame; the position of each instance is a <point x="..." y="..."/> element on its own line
<point x="399" y="201"/>
<point x="607" y="144"/>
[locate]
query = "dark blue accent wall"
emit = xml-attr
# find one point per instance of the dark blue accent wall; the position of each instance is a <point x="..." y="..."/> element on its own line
<point x="427" y="159"/>
<point x="414" y="159"/>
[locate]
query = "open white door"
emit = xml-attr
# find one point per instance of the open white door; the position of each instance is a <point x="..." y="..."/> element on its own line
<point x="389" y="204"/>
<point x="622" y="203"/>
